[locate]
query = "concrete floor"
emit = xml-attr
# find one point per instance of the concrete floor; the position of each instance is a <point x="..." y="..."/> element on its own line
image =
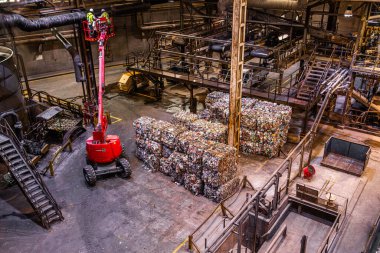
<point x="298" y="225"/>
<point x="149" y="213"/>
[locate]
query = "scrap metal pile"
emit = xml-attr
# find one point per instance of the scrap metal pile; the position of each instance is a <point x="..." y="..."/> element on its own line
<point x="264" y="125"/>
<point x="187" y="152"/>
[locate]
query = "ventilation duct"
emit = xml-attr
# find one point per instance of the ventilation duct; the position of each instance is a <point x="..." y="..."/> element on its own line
<point x="42" y="23"/>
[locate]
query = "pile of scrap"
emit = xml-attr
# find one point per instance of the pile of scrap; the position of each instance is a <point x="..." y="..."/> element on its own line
<point x="264" y="125"/>
<point x="190" y="158"/>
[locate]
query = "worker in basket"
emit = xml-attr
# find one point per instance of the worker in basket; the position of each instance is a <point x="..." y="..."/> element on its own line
<point x="106" y="16"/>
<point x="91" y="19"/>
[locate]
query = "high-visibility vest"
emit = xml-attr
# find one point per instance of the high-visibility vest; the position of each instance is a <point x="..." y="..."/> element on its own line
<point x="105" y="15"/>
<point x="90" y="17"/>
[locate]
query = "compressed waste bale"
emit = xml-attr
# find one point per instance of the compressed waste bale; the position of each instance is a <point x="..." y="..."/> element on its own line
<point x="260" y="136"/>
<point x="140" y="142"/>
<point x="220" y="193"/>
<point x="152" y="162"/>
<point x="165" y="166"/>
<point x="193" y="183"/>
<point x="220" y="111"/>
<point x="153" y="147"/>
<point x="196" y="150"/>
<point x="220" y="157"/>
<point x="215" y="179"/>
<point x="156" y="129"/>
<point x="248" y="147"/>
<point x="211" y="131"/>
<point x="284" y="135"/>
<point x="248" y="103"/>
<point x="183" y="140"/>
<point x="199" y="125"/>
<point x="196" y="169"/>
<point x="140" y="153"/>
<point x="183" y="118"/>
<point x="212" y="97"/>
<point x="216" y="132"/>
<point x="180" y="165"/>
<point x="166" y="151"/>
<point x="170" y="133"/>
<point x="205" y="114"/>
<point x="248" y="119"/>
<point x="270" y="150"/>
<point x="143" y="126"/>
<point x="219" y="165"/>
<point x="267" y="122"/>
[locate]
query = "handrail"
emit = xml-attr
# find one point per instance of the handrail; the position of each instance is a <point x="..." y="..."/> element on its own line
<point x="7" y="130"/>
<point x="321" y="80"/>
<point x="253" y="201"/>
<point x="44" y="97"/>
<point x="311" y="60"/>
<point x="56" y="153"/>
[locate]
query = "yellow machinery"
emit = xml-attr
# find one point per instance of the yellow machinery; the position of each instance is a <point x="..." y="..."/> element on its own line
<point x="129" y="81"/>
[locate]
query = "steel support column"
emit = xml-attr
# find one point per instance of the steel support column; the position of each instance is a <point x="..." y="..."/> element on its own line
<point x="347" y="100"/>
<point x="237" y="61"/>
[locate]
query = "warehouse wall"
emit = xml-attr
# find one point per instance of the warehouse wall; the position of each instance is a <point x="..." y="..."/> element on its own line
<point x="128" y="39"/>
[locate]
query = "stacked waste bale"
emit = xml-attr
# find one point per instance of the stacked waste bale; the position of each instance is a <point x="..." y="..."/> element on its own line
<point x="190" y="158"/>
<point x="264" y="125"/>
<point x="184" y="118"/>
<point x="210" y="130"/>
<point x="155" y="140"/>
<point x="219" y="171"/>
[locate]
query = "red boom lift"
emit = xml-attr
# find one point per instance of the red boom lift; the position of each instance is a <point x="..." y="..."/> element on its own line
<point x="104" y="152"/>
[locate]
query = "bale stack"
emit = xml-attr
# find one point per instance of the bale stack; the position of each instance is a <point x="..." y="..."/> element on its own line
<point x="213" y="131"/>
<point x="264" y="125"/>
<point x="219" y="171"/>
<point x="154" y="140"/>
<point x="190" y="158"/>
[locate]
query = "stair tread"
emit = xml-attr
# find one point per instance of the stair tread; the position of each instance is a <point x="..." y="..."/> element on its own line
<point x="23" y="171"/>
<point x="36" y="193"/>
<point x="5" y="146"/>
<point x="30" y="181"/>
<point x="54" y="218"/>
<point x="16" y="161"/>
<point x="50" y="213"/>
<point x="42" y="203"/>
<point x="30" y="188"/>
<point x="46" y="208"/>
<point x="10" y="151"/>
<point x="39" y="197"/>
<point x="26" y="176"/>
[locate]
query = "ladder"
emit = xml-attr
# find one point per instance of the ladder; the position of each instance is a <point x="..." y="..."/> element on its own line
<point x="27" y="178"/>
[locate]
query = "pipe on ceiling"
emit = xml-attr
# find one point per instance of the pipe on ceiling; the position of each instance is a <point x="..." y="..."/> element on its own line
<point x="29" y="25"/>
<point x="267" y="4"/>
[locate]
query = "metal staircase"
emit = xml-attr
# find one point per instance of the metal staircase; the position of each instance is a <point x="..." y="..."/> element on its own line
<point x="27" y="177"/>
<point x="318" y="72"/>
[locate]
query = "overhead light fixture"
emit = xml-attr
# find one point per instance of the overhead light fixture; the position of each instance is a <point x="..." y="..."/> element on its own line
<point x="348" y="12"/>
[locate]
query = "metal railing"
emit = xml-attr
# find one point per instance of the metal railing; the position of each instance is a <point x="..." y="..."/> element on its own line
<point x="271" y="89"/>
<point x="278" y="184"/>
<point x="56" y="153"/>
<point x="7" y="130"/>
<point x="44" y="97"/>
<point x="369" y="64"/>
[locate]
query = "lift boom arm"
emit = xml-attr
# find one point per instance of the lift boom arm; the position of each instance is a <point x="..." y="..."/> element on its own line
<point x="101" y="128"/>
